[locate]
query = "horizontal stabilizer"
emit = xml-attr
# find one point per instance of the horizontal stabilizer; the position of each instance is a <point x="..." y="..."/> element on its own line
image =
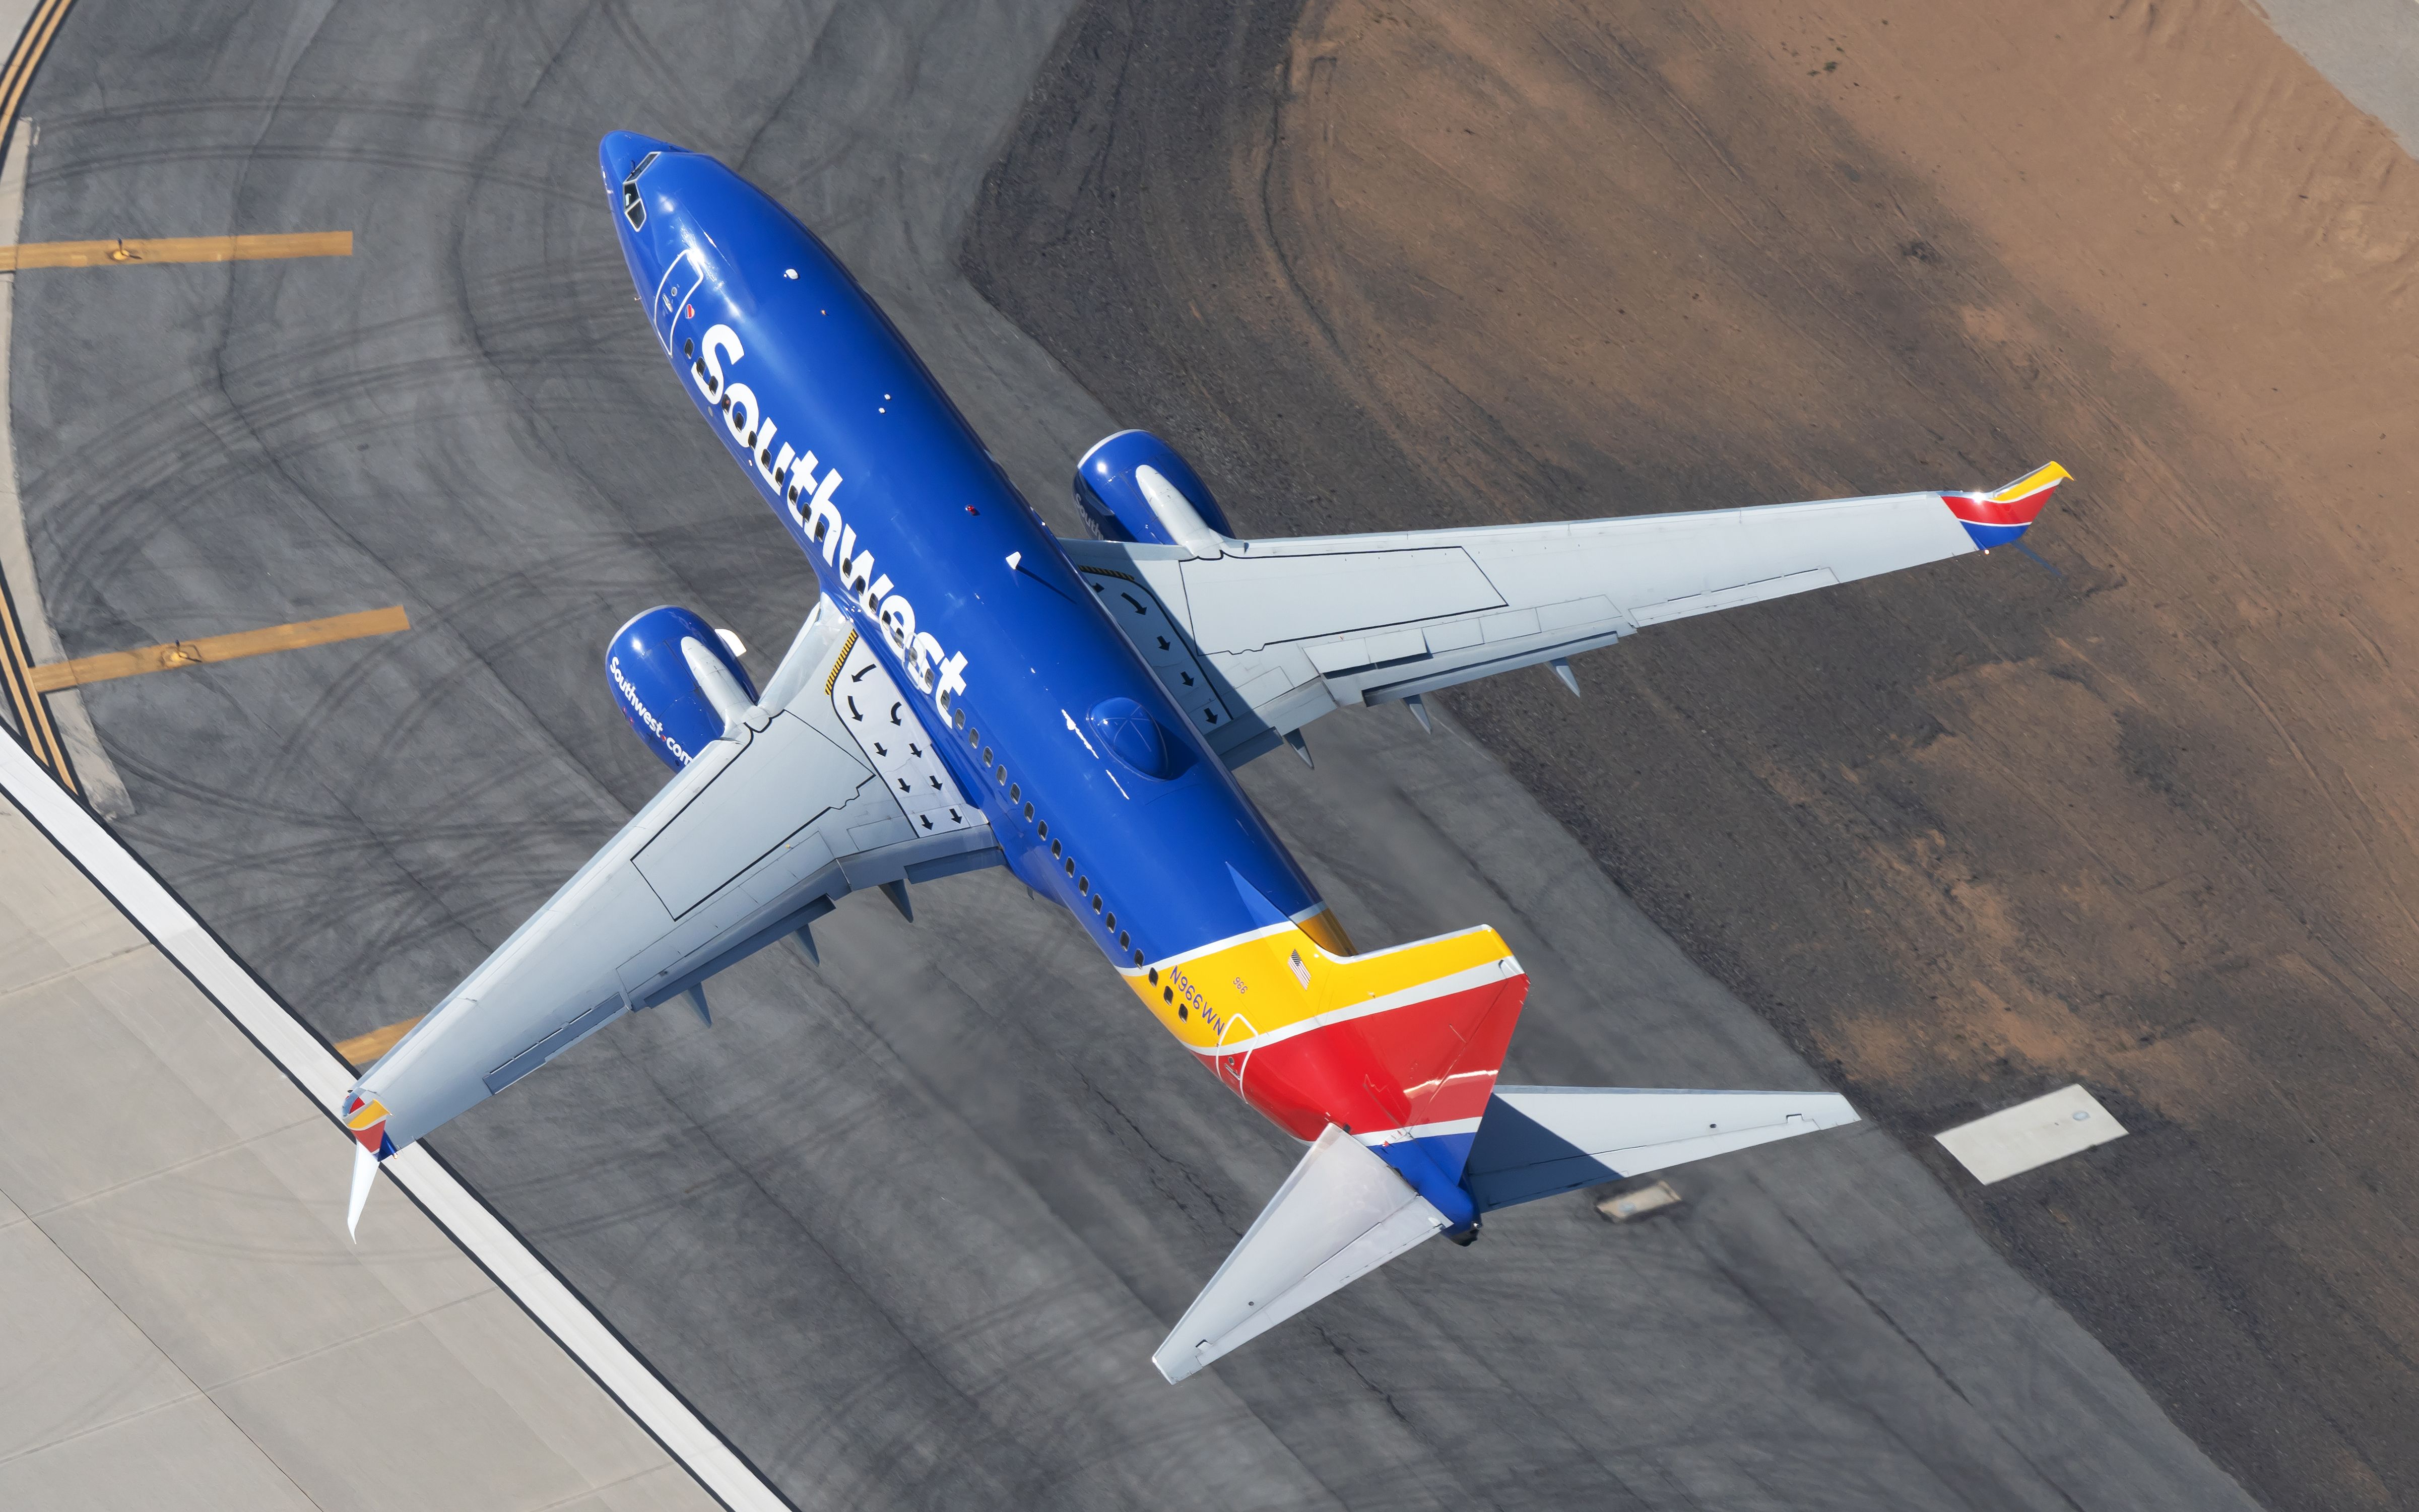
<point x="1340" y="1215"/>
<point x="1537" y="1141"/>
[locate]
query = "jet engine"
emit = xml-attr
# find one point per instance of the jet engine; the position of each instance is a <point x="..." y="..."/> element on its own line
<point x="678" y="680"/>
<point x="1135" y="488"/>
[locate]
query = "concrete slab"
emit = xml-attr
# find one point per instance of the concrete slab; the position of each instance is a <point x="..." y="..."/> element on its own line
<point x="465" y="1446"/>
<point x="185" y="1455"/>
<point x="74" y="1363"/>
<point x="83" y="1106"/>
<point x="182" y="1320"/>
<point x="2368" y="49"/>
<point x="221" y="1267"/>
<point x="48" y="924"/>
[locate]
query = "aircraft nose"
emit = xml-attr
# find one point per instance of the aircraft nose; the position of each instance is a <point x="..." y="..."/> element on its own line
<point x="620" y="152"/>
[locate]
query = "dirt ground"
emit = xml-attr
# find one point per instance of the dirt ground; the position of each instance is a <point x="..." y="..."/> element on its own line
<point x="2142" y="817"/>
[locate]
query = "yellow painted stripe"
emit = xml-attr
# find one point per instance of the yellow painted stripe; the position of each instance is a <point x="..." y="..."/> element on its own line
<point x="2032" y="483"/>
<point x="837" y="662"/>
<point x="363" y="1049"/>
<point x="31" y="44"/>
<point x="51" y="676"/>
<point x="33" y="716"/>
<point x="1249" y="988"/>
<point x="125" y="252"/>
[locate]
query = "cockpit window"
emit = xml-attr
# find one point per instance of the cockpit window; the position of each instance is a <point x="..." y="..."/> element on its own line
<point x="634" y="209"/>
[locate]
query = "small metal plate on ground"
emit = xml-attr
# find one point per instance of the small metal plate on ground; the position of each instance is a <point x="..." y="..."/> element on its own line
<point x="1622" y="1206"/>
<point x="2015" y="1140"/>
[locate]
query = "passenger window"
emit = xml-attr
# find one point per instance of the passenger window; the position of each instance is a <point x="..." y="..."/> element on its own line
<point x="959" y="718"/>
<point x="1028" y="812"/>
<point x="1043" y="829"/>
<point x="1096" y="903"/>
<point x="1014" y="793"/>
<point x="1112" y="923"/>
<point x="986" y="755"/>
<point x="1055" y="848"/>
<point x="1154" y="974"/>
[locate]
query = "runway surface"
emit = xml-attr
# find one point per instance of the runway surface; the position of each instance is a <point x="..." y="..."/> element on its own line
<point x="906" y="1227"/>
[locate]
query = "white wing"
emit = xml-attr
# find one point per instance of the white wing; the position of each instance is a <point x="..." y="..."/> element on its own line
<point x="1260" y="637"/>
<point x="827" y="785"/>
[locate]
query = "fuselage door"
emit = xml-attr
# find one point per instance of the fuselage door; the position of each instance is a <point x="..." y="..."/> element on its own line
<point x="673" y="291"/>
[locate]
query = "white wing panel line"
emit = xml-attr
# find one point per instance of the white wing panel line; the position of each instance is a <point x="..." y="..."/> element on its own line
<point x="1262" y="599"/>
<point x="162" y="915"/>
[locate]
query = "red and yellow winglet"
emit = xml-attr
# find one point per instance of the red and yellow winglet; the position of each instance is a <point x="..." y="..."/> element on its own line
<point x="1996" y="518"/>
<point x="366" y="1122"/>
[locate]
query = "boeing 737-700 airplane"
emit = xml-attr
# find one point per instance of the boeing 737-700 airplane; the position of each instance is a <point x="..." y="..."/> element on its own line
<point x="971" y="690"/>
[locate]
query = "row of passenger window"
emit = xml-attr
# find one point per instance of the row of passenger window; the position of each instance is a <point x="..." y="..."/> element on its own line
<point x="997" y="771"/>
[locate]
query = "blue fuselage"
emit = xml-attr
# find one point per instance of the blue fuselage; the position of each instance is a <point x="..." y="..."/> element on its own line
<point x="912" y="528"/>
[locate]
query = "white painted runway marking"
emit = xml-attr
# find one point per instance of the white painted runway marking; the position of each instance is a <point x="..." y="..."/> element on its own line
<point x="2015" y="1140"/>
<point x="315" y="1069"/>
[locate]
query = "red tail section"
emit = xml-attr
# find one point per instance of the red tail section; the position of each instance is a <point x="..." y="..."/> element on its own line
<point x="1392" y="1045"/>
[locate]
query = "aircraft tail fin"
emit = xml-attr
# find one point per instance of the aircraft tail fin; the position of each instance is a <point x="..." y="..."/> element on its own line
<point x="1400" y="1046"/>
<point x="1537" y="1141"/>
<point x="1340" y="1215"/>
<point x="2001" y="516"/>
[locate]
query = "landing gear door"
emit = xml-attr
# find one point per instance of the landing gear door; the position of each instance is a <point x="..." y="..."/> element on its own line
<point x="673" y="291"/>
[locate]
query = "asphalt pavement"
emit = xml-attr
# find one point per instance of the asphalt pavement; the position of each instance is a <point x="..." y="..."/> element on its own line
<point x="906" y="1227"/>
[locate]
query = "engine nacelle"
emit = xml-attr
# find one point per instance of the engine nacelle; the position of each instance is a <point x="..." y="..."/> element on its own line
<point x="1135" y="488"/>
<point x="678" y="680"/>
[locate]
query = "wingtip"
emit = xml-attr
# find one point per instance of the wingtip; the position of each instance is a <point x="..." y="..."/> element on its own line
<point x="2001" y="516"/>
<point x="2039" y="479"/>
<point x="365" y="1166"/>
<point x="1176" y="1364"/>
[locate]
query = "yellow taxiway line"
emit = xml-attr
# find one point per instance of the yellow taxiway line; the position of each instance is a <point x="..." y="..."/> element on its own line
<point x="23" y="684"/>
<point x="127" y="252"/>
<point x="51" y="676"/>
<point x="361" y="1049"/>
<point x="31" y="44"/>
<point x="33" y="717"/>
